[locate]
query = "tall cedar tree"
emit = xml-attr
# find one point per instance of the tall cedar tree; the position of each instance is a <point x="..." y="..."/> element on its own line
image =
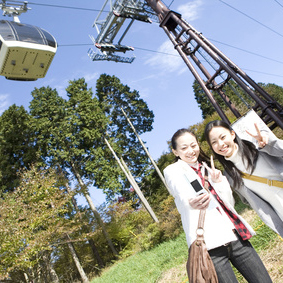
<point x="17" y="146"/>
<point x="70" y="134"/>
<point x="113" y="96"/>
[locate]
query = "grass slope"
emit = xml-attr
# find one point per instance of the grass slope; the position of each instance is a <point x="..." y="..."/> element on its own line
<point x="166" y="262"/>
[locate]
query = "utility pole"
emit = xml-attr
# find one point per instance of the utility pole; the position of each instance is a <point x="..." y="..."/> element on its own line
<point x="132" y="181"/>
<point x="145" y="149"/>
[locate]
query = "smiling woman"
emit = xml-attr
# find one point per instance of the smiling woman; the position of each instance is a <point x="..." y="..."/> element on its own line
<point x="225" y="231"/>
<point x="255" y="173"/>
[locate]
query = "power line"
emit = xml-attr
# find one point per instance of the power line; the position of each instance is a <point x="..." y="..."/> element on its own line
<point x="74" y="44"/>
<point x="59" y="6"/>
<point x="244" y="50"/>
<point x="171" y="3"/>
<point x="164" y="53"/>
<point x="281" y="76"/>
<point x="252" y="18"/>
<point x="176" y="55"/>
<point x="278" y="3"/>
<point x="159" y="52"/>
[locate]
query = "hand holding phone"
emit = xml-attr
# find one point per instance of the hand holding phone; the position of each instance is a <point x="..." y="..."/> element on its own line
<point x="201" y="201"/>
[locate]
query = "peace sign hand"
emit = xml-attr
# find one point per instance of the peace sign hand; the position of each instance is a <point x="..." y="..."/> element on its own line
<point x="216" y="175"/>
<point x="261" y="138"/>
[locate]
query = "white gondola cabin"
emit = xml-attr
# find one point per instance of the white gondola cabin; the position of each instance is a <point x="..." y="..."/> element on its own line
<point x="26" y="51"/>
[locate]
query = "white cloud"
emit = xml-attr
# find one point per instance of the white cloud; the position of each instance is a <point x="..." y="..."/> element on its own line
<point x="4" y="102"/>
<point x="63" y="84"/>
<point x="91" y="76"/>
<point x="166" y="58"/>
<point x="190" y="10"/>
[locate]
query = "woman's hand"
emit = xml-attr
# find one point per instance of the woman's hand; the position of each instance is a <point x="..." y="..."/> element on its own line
<point x="215" y="174"/>
<point x="261" y="138"/>
<point x="200" y="202"/>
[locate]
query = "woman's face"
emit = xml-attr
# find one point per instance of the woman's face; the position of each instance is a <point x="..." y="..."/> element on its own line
<point x="187" y="148"/>
<point x="222" y="141"/>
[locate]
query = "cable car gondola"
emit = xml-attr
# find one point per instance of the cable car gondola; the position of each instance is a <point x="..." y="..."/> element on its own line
<point x="26" y="51"/>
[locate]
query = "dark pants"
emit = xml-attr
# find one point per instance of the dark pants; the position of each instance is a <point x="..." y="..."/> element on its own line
<point x="244" y="258"/>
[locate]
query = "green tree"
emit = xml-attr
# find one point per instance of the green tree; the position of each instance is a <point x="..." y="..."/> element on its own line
<point x="71" y="138"/>
<point x="33" y="220"/>
<point x="114" y="96"/>
<point x="17" y="146"/>
<point x="202" y="100"/>
<point x="274" y="90"/>
<point x="236" y="95"/>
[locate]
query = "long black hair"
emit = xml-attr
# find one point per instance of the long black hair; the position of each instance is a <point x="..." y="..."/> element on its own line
<point x="202" y="156"/>
<point x="247" y="150"/>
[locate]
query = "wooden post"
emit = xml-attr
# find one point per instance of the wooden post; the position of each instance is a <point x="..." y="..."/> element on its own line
<point x="145" y="149"/>
<point x="132" y="182"/>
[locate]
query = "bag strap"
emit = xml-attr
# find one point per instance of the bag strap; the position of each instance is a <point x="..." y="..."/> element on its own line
<point x="201" y="218"/>
<point x="203" y="211"/>
<point x="269" y="182"/>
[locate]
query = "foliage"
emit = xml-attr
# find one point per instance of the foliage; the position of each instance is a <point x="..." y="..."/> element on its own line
<point x="33" y="219"/>
<point x="236" y="95"/>
<point x="114" y="98"/>
<point x="170" y="219"/>
<point x="16" y="146"/>
<point x="128" y="226"/>
<point x="202" y="100"/>
<point x="133" y="230"/>
<point x="67" y="130"/>
<point x="274" y="90"/>
<point x="152" y="186"/>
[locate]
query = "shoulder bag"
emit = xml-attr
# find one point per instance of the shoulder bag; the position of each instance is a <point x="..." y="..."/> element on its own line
<point x="200" y="267"/>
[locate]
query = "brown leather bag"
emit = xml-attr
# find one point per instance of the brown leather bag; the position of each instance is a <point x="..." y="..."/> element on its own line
<point x="200" y="267"/>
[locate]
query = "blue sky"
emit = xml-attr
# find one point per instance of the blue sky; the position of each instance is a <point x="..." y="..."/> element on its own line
<point x="250" y="33"/>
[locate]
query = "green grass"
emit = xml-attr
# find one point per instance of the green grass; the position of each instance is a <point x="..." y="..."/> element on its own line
<point x="147" y="266"/>
<point x="169" y="258"/>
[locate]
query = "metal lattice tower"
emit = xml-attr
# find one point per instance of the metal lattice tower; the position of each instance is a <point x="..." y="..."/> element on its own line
<point x="193" y="47"/>
<point x="109" y="27"/>
<point x="210" y="67"/>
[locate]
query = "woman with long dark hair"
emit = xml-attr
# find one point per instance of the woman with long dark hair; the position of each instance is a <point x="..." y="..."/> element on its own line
<point x="255" y="173"/>
<point x="226" y="233"/>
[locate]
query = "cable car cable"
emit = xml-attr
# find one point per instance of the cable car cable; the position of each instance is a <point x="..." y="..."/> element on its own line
<point x="247" y="51"/>
<point x="59" y="6"/>
<point x="278" y="3"/>
<point x="252" y="18"/>
<point x="171" y="3"/>
<point x="165" y="53"/>
<point x="176" y="55"/>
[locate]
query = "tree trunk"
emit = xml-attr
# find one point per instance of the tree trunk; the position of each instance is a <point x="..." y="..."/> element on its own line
<point x="77" y="262"/>
<point x="91" y="242"/>
<point x="50" y="270"/>
<point x="93" y="208"/>
<point x="26" y="278"/>
<point x="95" y="253"/>
<point x="75" y="257"/>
